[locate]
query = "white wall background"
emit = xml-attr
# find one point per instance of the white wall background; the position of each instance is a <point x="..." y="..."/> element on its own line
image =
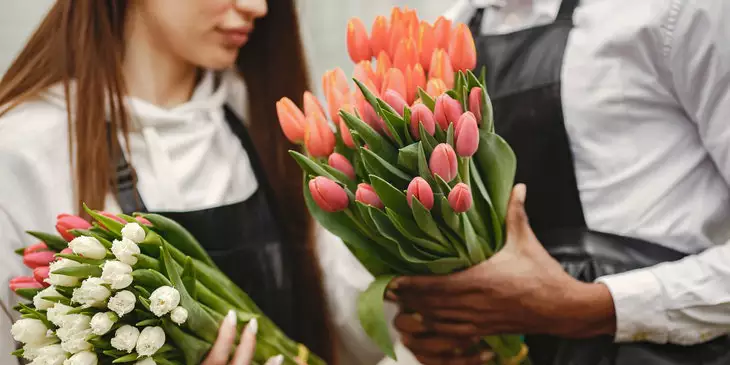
<point x="18" y="19"/>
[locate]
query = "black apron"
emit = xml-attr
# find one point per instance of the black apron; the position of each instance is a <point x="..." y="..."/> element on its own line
<point x="243" y="239"/>
<point x="523" y="79"/>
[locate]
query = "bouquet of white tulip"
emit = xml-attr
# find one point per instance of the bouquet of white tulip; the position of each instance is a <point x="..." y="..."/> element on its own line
<point x="131" y="290"/>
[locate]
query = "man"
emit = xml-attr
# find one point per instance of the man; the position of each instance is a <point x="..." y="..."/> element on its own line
<point x="618" y="113"/>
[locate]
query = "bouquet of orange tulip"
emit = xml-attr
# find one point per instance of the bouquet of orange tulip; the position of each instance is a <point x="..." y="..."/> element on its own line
<point x="411" y="175"/>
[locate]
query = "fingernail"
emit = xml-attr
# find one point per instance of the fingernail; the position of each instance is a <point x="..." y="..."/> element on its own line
<point x="391" y="296"/>
<point x="417" y="317"/>
<point x="486" y="356"/>
<point x="393" y="285"/>
<point x="521" y="192"/>
<point x="231" y="318"/>
<point x="253" y="326"/>
<point x="276" y="360"/>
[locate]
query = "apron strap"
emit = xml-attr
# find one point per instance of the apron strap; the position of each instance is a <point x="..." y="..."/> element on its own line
<point x="567" y="8"/>
<point x="475" y="23"/>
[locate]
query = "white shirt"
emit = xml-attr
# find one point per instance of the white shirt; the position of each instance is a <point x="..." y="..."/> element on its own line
<point x="646" y="98"/>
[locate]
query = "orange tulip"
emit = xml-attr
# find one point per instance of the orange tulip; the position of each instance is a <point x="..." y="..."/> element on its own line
<point x="396" y="16"/>
<point x="358" y="44"/>
<point x="397" y="33"/>
<point x="436" y="87"/>
<point x="334" y="100"/>
<point x="345" y="133"/>
<point x="426" y="44"/>
<point x="380" y="35"/>
<point x="441" y="68"/>
<point x="364" y="71"/>
<point x="318" y="136"/>
<point x="406" y="55"/>
<point x="442" y="32"/>
<point x="415" y="78"/>
<point x="312" y="104"/>
<point x="410" y="22"/>
<point x="340" y="80"/>
<point x="336" y="89"/>
<point x="291" y="119"/>
<point x="384" y="64"/>
<point x="396" y="81"/>
<point x="462" y="51"/>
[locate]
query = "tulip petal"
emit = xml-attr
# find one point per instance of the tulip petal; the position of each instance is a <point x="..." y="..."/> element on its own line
<point x="462" y="50"/>
<point x="426" y="44"/>
<point x="358" y="44"/>
<point x="380" y="35"/>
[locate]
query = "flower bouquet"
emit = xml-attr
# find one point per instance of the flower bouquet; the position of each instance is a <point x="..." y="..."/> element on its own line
<point x="410" y="174"/>
<point x="131" y="290"/>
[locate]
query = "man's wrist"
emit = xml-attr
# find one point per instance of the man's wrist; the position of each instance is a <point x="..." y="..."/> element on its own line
<point x="587" y="311"/>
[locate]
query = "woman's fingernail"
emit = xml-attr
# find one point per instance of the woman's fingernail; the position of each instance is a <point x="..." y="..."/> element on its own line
<point x="231" y="318"/>
<point x="486" y="356"/>
<point x="276" y="360"/>
<point x="253" y="326"/>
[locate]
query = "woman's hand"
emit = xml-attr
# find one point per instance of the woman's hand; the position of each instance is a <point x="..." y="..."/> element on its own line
<point x="521" y="289"/>
<point x="221" y="351"/>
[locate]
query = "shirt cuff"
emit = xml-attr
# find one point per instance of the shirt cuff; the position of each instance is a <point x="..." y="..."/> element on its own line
<point x="640" y="311"/>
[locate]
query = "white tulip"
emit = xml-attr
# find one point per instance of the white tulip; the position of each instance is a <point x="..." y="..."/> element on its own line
<point x="125" y="339"/>
<point x="179" y="315"/>
<point x="122" y="302"/>
<point x="74" y="330"/>
<point x="117" y="274"/>
<point x="30" y="331"/>
<point x="56" y="313"/>
<point x="42" y="304"/>
<point x="101" y="323"/>
<point x="150" y="340"/>
<point x="126" y="251"/>
<point x="50" y="355"/>
<point x="163" y="300"/>
<point x="146" y="361"/>
<point x="92" y="293"/>
<point x="62" y="280"/>
<point x="88" y="247"/>
<point x="133" y="232"/>
<point x="82" y="358"/>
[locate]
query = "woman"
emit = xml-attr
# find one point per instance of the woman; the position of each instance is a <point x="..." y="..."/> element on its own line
<point x="133" y="106"/>
<point x="617" y="112"/>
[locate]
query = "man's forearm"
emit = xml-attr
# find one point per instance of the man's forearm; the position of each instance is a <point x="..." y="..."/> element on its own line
<point x="586" y="310"/>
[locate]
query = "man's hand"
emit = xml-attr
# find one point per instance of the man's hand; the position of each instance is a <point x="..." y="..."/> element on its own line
<point x="521" y="289"/>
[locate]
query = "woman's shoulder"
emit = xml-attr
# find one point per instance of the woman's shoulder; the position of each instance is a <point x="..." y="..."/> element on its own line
<point x="32" y="123"/>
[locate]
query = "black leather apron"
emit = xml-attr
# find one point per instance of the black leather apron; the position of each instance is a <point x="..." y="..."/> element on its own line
<point x="243" y="239"/>
<point x="523" y="79"/>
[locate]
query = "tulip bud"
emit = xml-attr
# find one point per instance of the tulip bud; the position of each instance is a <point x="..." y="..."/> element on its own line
<point x="366" y="194"/>
<point x="344" y="130"/>
<point x="462" y="51"/>
<point x="466" y="135"/>
<point x="447" y="110"/>
<point x="40" y="246"/>
<point x="460" y="199"/>
<point x="426" y="44"/>
<point x="397" y="34"/>
<point x="396" y="15"/>
<point x="335" y="98"/>
<point x="38" y="259"/>
<point x="475" y="103"/>
<point x="364" y="71"/>
<point x="396" y="81"/>
<point x="443" y="162"/>
<point x="143" y="221"/>
<point x="406" y="54"/>
<point x="24" y="282"/>
<point x="291" y="120"/>
<point x="339" y="80"/>
<point x="342" y="164"/>
<point x="415" y="78"/>
<point x="421" y="191"/>
<point x="358" y="44"/>
<point x="436" y="87"/>
<point x="67" y="251"/>
<point x="380" y="35"/>
<point x="312" y="104"/>
<point x="318" y="136"/>
<point x="114" y="217"/>
<point x="40" y="274"/>
<point x="421" y="114"/>
<point x="442" y="32"/>
<point x="67" y="222"/>
<point x="410" y="22"/>
<point x="368" y="114"/>
<point x="384" y="64"/>
<point x="395" y="100"/>
<point x="328" y="195"/>
<point x="441" y="68"/>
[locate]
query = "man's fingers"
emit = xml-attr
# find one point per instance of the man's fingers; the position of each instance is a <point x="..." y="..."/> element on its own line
<point x="445" y="284"/>
<point x="247" y="347"/>
<point x="426" y="303"/>
<point x="218" y="355"/>
<point x="476" y="359"/>
<point x="516" y="215"/>
<point x="427" y="345"/>
<point x="409" y="323"/>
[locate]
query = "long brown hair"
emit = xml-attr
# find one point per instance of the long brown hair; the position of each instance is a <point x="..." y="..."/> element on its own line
<point x="82" y="40"/>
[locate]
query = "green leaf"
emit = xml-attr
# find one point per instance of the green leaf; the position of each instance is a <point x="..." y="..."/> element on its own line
<point x="423" y="170"/>
<point x="391" y="196"/>
<point x="37" y="315"/>
<point x="409" y="229"/>
<point x="452" y="93"/>
<point x="426" y="99"/>
<point x="313" y="168"/>
<point x="427" y="140"/>
<point x="20" y="251"/>
<point x="143" y="292"/>
<point x="65" y="291"/>
<point x="27" y="293"/>
<point x="18" y="353"/>
<point x="148" y="322"/>
<point x="393" y="122"/>
<point x="109" y="223"/>
<point x="150" y="279"/>
<point x="487" y="122"/>
<point x="372" y="315"/>
<point x="147" y="262"/>
<point x="193" y="348"/>
<point x="406" y="126"/>
<point x="496" y="163"/>
<point x="79" y="259"/>
<point x="376" y="142"/>
<point x="458" y="82"/>
<point x="408" y="157"/>
<point x="99" y="343"/>
<point x="55" y="243"/>
<point x="426" y="222"/>
<point x="443" y="186"/>
<point x="382" y="168"/>
<point x="189" y="278"/>
<point x="57" y="299"/>
<point x="486" y="209"/>
<point x="450" y="135"/>
<point x="472" y="81"/>
<point x="81" y="271"/>
<point x="473" y="246"/>
<point x="81" y="310"/>
<point x="449" y="216"/>
<point x="144" y="301"/>
<point x="397" y="243"/>
<point x="369" y="96"/>
<point x="183" y="240"/>
<point x="114" y="353"/>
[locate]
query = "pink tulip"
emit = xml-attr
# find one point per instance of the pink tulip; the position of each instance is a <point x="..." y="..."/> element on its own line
<point x="143" y="221"/>
<point x="113" y="216"/>
<point x="366" y="194"/>
<point x="358" y="44"/>
<point x="443" y="162"/>
<point x="38" y="259"/>
<point x="460" y="198"/>
<point x="421" y="191"/>
<point x="40" y="274"/>
<point x="466" y="135"/>
<point x="40" y="246"/>
<point x="67" y="222"/>
<point x="291" y="120"/>
<point x="328" y="195"/>
<point x="462" y="51"/>
<point x="24" y="282"/>
<point x="67" y="251"/>
<point x="447" y="110"/>
<point x="423" y="115"/>
<point x="475" y="103"/>
<point x="394" y="99"/>
<point x="342" y="164"/>
<point x="380" y="35"/>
